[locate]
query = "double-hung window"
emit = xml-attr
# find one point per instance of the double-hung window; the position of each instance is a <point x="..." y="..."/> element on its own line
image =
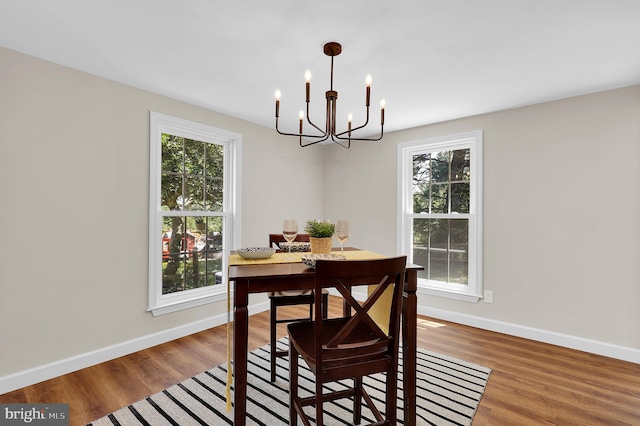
<point x="440" y="213"/>
<point x="193" y="212"/>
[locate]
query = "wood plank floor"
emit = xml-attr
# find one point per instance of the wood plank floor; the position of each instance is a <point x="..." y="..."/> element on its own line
<point x="531" y="383"/>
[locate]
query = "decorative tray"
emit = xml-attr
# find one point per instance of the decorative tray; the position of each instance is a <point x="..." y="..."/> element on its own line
<point x="310" y="259"/>
<point x="295" y="246"/>
<point x="256" y="252"/>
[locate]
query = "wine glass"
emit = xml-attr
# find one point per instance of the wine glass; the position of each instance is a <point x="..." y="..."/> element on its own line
<point x="290" y="232"/>
<point x="342" y="233"/>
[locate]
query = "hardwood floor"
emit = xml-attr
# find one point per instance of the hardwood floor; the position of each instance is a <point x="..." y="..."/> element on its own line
<point x="531" y="383"/>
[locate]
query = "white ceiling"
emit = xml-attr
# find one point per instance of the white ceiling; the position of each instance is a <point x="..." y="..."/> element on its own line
<point x="432" y="60"/>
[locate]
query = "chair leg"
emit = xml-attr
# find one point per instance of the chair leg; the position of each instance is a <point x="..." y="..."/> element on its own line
<point x="273" y="329"/>
<point x="293" y="385"/>
<point x="357" y="400"/>
<point x="325" y="305"/>
<point x="391" y="403"/>
<point x="272" y="324"/>
<point x="319" y="414"/>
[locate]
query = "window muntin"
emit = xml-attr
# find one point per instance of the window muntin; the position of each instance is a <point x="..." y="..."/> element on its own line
<point x="192" y="174"/>
<point x="440" y="213"/>
<point x="192" y="180"/>
<point x="193" y="212"/>
<point x="441" y="181"/>
<point x="191" y="252"/>
<point x="441" y="186"/>
<point x="441" y="246"/>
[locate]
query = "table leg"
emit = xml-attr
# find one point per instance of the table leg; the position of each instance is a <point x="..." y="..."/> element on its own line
<point x="240" y="350"/>
<point x="410" y="345"/>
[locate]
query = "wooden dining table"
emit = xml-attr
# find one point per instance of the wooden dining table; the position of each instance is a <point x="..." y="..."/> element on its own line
<point x="267" y="277"/>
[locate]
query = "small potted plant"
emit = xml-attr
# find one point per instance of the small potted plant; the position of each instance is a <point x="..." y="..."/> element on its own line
<point x="320" y="235"/>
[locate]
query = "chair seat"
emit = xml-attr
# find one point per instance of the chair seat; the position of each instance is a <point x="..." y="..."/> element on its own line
<point x="362" y="345"/>
<point x="293" y="293"/>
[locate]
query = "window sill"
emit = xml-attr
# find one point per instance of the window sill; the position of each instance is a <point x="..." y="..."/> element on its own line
<point x="168" y="308"/>
<point x="449" y="294"/>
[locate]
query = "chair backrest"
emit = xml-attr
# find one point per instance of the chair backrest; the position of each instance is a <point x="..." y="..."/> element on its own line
<point x="360" y="336"/>
<point x="278" y="238"/>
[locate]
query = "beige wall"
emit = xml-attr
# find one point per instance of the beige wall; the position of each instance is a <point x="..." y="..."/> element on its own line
<point x="74" y="179"/>
<point x="561" y="213"/>
<point x="74" y="210"/>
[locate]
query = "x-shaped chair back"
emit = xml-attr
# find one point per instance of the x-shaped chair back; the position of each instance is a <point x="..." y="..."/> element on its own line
<point x="361" y="312"/>
<point x="360" y="336"/>
<point x="351" y="346"/>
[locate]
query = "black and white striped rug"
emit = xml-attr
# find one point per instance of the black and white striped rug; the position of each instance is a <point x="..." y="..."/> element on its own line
<point x="449" y="391"/>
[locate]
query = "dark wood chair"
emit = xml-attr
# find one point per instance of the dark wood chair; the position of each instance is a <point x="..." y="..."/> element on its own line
<point x="288" y="298"/>
<point x="353" y="346"/>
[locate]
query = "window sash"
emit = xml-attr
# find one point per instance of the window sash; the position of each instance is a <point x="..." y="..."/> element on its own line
<point x="447" y="250"/>
<point x="160" y="303"/>
<point x="471" y="291"/>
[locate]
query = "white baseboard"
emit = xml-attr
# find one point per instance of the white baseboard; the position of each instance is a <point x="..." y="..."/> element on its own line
<point x="78" y="362"/>
<point x="45" y="372"/>
<point x="564" y="340"/>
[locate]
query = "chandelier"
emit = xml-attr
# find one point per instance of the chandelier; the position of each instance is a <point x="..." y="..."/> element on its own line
<point x="343" y="138"/>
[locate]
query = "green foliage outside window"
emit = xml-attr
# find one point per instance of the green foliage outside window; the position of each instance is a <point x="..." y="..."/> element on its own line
<point x="192" y="181"/>
<point x="441" y="186"/>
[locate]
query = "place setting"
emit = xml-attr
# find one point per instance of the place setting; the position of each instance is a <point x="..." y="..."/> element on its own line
<point x="340" y="230"/>
<point x="320" y="234"/>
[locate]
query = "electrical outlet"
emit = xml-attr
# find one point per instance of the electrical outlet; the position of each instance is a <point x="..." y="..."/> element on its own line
<point x="488" y="296"/>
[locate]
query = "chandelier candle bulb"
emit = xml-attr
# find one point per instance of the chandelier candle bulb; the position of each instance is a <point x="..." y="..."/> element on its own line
<point x="277" y="103"/>
<point x="301" y="114"/>
<point x="383" y="103"/>
<point x="350" y="119"/>
<point x="307" y="79"/>
<point x="368" y="80"/>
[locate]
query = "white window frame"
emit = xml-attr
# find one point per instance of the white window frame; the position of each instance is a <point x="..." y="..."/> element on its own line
<point x="472" y="292"/>
<point x="160" y="304"/>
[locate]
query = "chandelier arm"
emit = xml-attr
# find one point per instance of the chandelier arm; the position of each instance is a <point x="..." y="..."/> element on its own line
<point x="323" y="135"/>
<point x="324" y="132"/>
<point x="330" y="122"/>
<point x="354" y="129"/>
<point x="304" y="135"/>
<point x="362" y="139"/>
<point x="364" y="125"/>
<point x="313" y="142"/>
<point x="335" y="110"/>
<point x="338" y="141"/>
